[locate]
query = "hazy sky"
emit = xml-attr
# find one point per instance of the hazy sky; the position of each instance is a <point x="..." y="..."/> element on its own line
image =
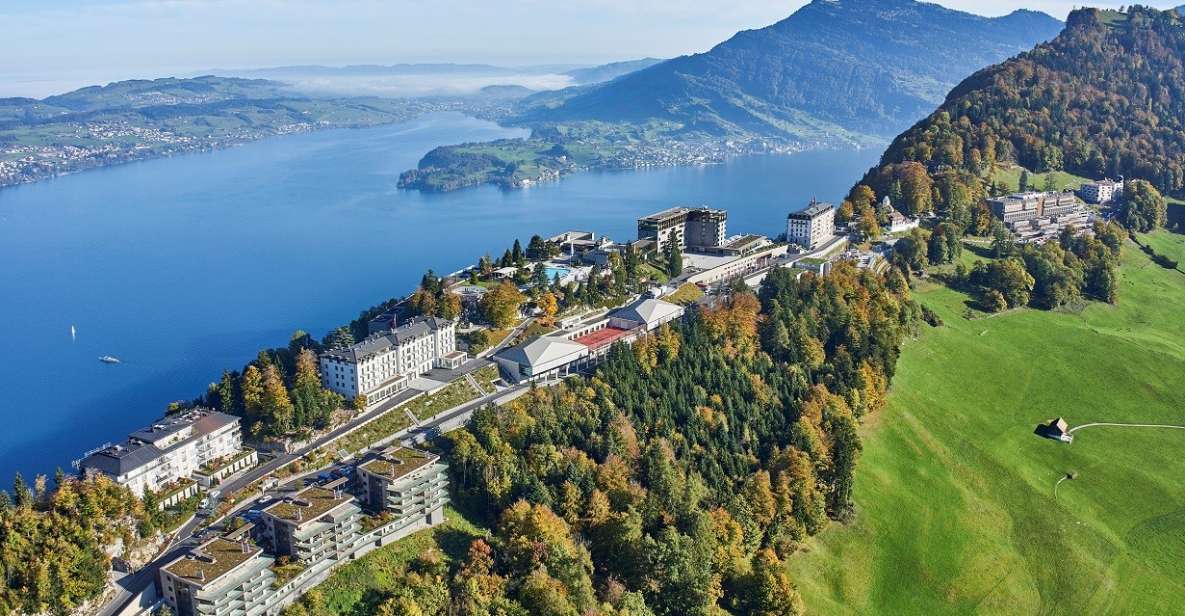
<point x="67" y="40"/>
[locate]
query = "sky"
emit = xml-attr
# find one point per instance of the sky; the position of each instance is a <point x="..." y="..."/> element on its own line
<point x="53" y="45"/>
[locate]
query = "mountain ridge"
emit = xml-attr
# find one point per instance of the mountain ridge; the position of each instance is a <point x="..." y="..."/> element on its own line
<point x="890" y="61"/>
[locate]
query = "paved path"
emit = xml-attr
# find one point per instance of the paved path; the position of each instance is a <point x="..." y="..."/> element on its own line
<point x="135" y="583"/>
<point x="1125" y="425"/>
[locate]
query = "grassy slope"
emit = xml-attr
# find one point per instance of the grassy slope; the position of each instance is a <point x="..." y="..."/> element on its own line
<point x="360" y="585"/>
<point x="956" y="512"/>
<point x="1011" y="178"/>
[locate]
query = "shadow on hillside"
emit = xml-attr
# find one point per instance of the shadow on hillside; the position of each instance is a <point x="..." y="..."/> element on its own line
<point x="455" y="542"/>
<point x="983" y="252"/>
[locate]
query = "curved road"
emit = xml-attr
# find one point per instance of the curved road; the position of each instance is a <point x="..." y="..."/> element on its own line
<point x="135" y="583"/>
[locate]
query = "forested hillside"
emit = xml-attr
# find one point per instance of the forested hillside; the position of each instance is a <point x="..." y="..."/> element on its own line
<point x="677" y="479"/>
<point x="1104" y="98"/>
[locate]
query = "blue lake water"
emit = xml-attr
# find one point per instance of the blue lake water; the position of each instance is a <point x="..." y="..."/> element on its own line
<point x="184" y="266"/>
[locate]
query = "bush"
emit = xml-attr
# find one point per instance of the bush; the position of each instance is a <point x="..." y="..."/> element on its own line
<point x="993" y="301"/>
<point x="931" y="317"/>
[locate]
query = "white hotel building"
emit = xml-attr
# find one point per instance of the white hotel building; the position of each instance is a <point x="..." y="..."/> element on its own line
<point x="384" y="364"/>
<point x="811" y="227"/>
<point x="174" y="448"/>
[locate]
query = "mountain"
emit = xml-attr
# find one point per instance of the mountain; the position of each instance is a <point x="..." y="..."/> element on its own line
<point x="1102" y="99"/>
<point x="834" y="67"/>
<point x="609" y="72"/>
<point x="123" y="121"/>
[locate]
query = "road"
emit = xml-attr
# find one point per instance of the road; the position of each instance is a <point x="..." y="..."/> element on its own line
<point x="132" y="585"/>
<point x="1125" y="425"/>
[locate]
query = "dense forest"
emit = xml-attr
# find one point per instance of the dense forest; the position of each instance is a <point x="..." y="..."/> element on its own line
<point x="678" y="477"/>
<point x="53" y="544"/>
<point x="1104" y="98"/>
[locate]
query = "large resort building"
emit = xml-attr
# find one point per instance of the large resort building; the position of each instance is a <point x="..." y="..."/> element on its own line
<point x="698" y="228"/>
<point x="811" y="227"/>
<point x="174" y="454"/>
<point x="1039" y="216"/>
<point x="306" y="536"/>
<point x="384" y="364"/>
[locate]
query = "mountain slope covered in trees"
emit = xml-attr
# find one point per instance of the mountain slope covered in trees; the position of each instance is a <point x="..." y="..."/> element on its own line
<point x="869" y="67"/>
<point x="1104" y="98"/>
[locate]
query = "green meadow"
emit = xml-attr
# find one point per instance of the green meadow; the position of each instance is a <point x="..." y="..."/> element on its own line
<point x="956" y="511"/>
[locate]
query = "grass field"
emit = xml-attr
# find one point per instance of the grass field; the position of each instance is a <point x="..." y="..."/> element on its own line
<point x="1011" y="178"/>
<point x="956" y="511"/>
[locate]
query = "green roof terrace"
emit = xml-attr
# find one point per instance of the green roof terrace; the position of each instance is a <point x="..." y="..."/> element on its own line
<point x="396" y="463"/>
<point x="307" y="505"/>
<point x="213" y="559"/>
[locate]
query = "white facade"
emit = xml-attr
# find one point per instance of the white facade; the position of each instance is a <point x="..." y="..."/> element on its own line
<point x="811" y="227"/>
<point x="543" y="357"/>
<point x="173" y="448"/>
<point x="1102" y="192"/>
<point x="382" y="365"/>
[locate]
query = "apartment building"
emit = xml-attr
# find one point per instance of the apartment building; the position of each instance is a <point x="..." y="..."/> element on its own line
<point x="691" y="228"/>
<point x="384" y="364"/>
<point x="812" y="227"/>
<point x="221" y="577"/>
<point x="408" y="483"/>
<point x="196" y="443"/>
<point x="1101" y="193"/>
<point x="316" y="524"/>
<point x="306" y="536"/>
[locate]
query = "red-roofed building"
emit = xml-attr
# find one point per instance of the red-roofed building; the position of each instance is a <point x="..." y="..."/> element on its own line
<point x="599" y="341"/>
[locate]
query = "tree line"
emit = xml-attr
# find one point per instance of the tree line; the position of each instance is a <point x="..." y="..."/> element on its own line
<point x="679" y="476"/>
<point x="53" y="544"/>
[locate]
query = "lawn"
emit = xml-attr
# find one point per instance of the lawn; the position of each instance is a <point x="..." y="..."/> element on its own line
<point x="358" y="587"/>
<point x="486" y="376"/>
<point x="389" y="423"/>
<point x="456" y="393"/>
<point x="955" y="510"/>
<point x="1011" y="178"/>
<point x="686" y="295"/>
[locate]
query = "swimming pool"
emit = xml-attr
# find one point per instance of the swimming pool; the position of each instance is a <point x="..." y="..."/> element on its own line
<point x="556" y="270"/>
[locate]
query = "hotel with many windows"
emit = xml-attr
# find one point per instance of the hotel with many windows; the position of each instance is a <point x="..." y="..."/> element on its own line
<point x="384" y="364"/>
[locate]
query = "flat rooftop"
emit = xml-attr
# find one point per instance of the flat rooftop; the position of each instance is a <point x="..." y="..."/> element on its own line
<point x="706" y="262"/>
<point x="307" y="505"/>
<point x="602" y="337"/>
<point x="666" y="214"/>
<point x="397" y="463"/>
<point x="211" y="560"/>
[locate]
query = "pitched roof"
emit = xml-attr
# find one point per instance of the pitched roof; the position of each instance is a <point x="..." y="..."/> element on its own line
<point x="648" y="310"/>
<point x="139" y="450"/>
<point x="382" y="342"/>
<point x="543" y="349"/>
<point x="813" y="210"/>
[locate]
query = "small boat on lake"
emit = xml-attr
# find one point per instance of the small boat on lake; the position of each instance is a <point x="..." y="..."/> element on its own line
<point x="109" y="359"/>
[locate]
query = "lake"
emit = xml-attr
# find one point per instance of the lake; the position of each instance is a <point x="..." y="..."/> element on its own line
<point x="182" y="267"/>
